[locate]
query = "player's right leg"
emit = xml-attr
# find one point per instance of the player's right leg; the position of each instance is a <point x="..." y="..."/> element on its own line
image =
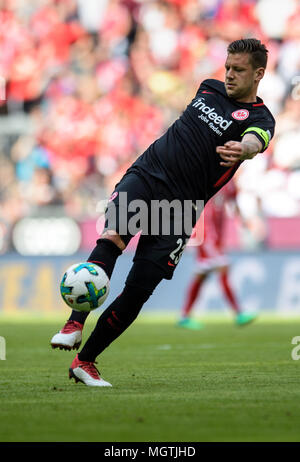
<point x="120" y="314"/>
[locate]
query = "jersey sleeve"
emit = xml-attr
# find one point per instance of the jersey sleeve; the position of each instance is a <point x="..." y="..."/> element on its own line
<point x="263" y="129"/>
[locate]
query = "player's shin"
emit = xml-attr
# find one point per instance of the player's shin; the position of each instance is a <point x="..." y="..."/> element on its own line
<point x="141" y="282"/>
<point x="114" y="320"/>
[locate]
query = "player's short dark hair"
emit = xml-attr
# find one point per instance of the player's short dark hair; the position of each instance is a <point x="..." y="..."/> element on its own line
<point x="257" y="51"/>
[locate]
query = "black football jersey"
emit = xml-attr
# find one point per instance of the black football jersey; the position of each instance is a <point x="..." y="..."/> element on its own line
<point x="185" y="157"/>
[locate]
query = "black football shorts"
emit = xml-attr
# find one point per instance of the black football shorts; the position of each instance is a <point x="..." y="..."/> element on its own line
<point x="145" y="205"/>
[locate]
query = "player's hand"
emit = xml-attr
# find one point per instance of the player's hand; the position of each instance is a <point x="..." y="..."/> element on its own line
<point x="235" y="151"/>
<point x="231" y="152"/>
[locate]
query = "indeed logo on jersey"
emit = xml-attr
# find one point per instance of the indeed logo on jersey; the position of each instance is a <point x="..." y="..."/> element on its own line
<point x="211" y="117"/>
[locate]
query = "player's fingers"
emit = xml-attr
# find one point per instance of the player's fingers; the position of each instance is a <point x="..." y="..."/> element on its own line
<point x="230" y="143"/>
<point x="227" y="164"/>
<point x="234" y="148"/>
<point x="229" y="156"/>
<point x="229" y="161"/>
<point x="231" y="151"/>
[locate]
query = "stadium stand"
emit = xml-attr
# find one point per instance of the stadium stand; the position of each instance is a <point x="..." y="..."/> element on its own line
<point x="86" y="86"/>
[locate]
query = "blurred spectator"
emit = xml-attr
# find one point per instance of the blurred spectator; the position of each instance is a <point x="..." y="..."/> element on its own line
<point x="91" y="83"/>
<point x="273" y="16"/>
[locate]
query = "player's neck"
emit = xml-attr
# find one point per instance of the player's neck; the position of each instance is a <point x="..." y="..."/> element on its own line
<point x="248" y="99"/>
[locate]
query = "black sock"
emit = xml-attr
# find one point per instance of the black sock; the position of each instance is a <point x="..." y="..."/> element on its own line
<point x="79" y="316"/>
<point x="114" y="320"/>
<point x="105" y="255"/>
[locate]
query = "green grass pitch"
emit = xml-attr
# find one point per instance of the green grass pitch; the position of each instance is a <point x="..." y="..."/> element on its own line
<point x="224" y="383"/>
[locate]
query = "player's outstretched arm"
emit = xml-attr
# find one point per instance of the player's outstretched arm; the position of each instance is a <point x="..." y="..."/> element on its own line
<point x="234" y="151"/>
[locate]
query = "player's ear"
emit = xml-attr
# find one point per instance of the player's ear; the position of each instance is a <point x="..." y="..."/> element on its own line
<point x="259" y="73"/>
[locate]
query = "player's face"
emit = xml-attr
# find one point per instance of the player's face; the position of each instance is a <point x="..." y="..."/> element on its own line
<point x="241" y="79"/>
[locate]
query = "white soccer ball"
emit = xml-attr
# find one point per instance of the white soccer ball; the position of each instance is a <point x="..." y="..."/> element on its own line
<point x="84" y="286"/>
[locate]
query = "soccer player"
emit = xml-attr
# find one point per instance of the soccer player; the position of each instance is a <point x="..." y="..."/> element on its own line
<point x="225" y="124"/>
<point x="211" y="258"/>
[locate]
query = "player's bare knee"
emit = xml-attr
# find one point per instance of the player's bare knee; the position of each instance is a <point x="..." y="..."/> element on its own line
<point x="114" y="237"/>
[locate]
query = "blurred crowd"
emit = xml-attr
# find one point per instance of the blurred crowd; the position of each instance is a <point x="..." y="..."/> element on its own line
<point x="87" y="85"/>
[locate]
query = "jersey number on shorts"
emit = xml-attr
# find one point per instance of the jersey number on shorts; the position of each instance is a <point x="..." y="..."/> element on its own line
<point x="175" y="255"/>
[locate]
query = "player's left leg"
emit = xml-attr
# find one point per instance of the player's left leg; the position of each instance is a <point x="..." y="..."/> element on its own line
<point x="141" y="282"/>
